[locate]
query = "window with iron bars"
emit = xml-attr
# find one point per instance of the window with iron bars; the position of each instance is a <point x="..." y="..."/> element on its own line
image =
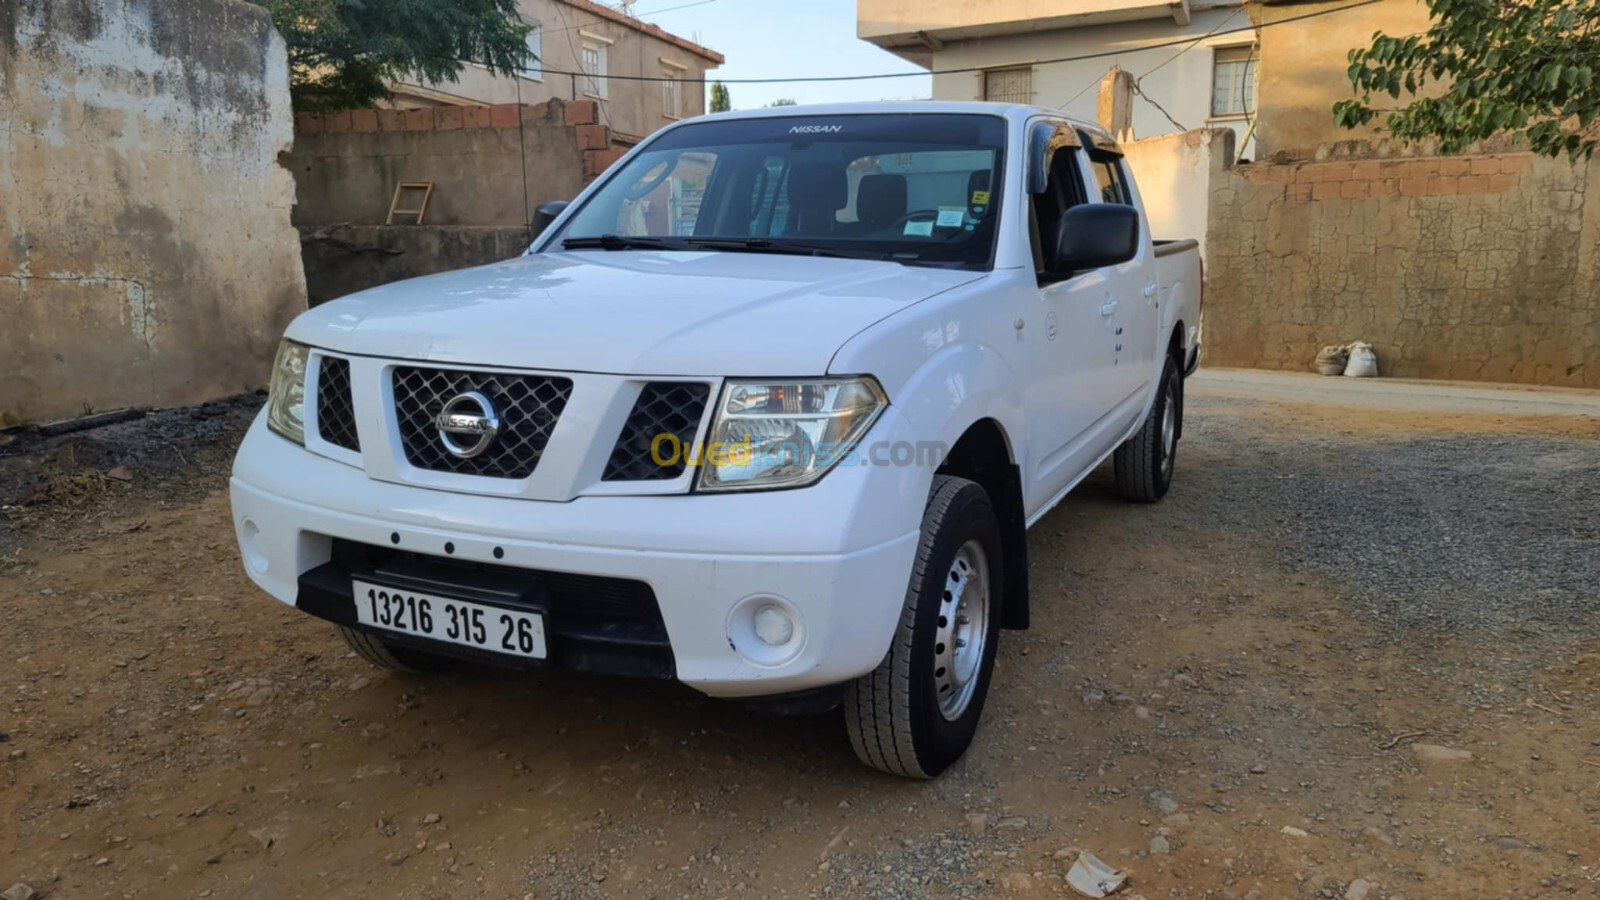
<point x="1008" y="85"/>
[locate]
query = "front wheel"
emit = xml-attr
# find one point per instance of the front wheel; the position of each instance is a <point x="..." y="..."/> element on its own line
<point x="385" y="655"/>
<point x="1144" y="462"/>
<point x="916" y="713"/>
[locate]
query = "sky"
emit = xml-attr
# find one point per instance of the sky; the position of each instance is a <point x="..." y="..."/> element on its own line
<point x="787" y="39"/>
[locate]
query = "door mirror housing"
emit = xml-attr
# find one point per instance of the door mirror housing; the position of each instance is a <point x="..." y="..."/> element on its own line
<point x="545" y="213"/>
<point x="1092" y="235"/>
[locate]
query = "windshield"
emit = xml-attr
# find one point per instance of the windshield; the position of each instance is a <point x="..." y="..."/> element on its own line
<point x="915" y="188"/>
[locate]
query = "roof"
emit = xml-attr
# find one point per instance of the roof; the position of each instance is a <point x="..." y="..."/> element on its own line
<point x="896" y="107"/>
<point x="655" y="31"/>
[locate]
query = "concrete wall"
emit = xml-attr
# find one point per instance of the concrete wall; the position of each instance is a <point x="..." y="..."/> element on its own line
<point x="1482" y="267"/>
<point x="147" y="257"/>
<point x="346" y="164"/>
<point x="633" y="109"/>
<point x="355" y="257"/>
<point x="1174" y="174"/>
<point x="1303" y="66"/>
<point x="1179" y="82"/>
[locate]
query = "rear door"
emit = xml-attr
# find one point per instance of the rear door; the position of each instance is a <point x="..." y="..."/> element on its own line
<point x="1132" y="295"/>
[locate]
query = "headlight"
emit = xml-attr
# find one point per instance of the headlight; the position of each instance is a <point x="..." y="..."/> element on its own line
<point x="781" y="434"/>
<point x="286" y="400"/>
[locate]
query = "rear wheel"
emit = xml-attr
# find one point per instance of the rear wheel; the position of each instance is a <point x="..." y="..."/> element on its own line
<point x="1144" y="462"/>
<point x="916" y="713"/>
<point x="381" y="653"/>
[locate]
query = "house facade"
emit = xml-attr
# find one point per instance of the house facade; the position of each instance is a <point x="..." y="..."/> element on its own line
<point x="577" y="43"/>
<point x="1001" y="51"/>
<point x="1269" y="70"/>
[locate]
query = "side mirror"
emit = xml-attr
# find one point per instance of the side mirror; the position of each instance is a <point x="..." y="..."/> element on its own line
<point x="1092" y="235"/>
<point x="544" y="214"/>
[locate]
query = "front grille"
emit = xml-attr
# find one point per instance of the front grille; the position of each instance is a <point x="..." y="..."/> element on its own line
<point x="527" y="406"/>
<point x="663" y="407"/>
<point x="336" y="411"/>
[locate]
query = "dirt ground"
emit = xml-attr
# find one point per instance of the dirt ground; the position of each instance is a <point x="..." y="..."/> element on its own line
<point x="1228" y="694"/>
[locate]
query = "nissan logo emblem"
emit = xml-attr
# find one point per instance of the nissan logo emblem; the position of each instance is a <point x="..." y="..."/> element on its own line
<point x="467" y="424"/>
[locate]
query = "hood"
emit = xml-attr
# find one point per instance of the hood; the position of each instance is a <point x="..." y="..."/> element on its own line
<point x="629" y="312"/>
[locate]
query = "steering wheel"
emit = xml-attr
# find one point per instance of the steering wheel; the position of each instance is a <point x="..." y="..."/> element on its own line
<point x="914" y="214"/>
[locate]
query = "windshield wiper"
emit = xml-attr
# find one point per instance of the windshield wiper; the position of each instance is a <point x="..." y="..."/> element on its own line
<point x="623" y="242"/>
<point x="762" y="245"/>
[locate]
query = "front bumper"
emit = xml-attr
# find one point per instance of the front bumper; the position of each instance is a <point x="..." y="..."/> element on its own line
<point x="837" y="556"/>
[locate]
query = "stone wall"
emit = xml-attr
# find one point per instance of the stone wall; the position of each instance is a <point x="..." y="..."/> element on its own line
<point x="147" y="258"/>
<point x="350" y="258"/>
<point x="490" y="165"/>
<point x="1479" y="267"/>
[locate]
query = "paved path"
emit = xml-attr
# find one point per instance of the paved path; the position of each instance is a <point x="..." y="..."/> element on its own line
<point x="1396" y="393"/>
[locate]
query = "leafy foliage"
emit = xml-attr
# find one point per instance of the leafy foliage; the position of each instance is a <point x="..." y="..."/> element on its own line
<point x="720" y="102"/>
<point x="783" y="101"/>
<point x="342" y="53"/>
<point x="1525" y="67"/>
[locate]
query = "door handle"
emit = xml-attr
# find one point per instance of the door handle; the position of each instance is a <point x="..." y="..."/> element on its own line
<point x="1150" y="289"/>
<point x="1108" y="307"/>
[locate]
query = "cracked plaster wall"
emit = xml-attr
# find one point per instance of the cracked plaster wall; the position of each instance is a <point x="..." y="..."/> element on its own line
<point x="1476" y="267"/>
<point x="147" y="258"/>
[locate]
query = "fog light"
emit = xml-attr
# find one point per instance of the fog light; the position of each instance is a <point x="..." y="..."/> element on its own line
<point x="774" y="626"/>
<point x="250" y="546"/>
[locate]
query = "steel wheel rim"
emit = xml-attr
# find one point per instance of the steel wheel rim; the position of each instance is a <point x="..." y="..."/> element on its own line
<point x="1169" y="430"/>
<point x="962" y="634"/>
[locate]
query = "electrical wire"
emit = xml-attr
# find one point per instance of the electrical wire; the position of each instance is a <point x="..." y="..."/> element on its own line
<point x="810" y="79"/>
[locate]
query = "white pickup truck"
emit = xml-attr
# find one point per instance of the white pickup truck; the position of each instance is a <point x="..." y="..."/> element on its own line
<point x="767" y="410"/>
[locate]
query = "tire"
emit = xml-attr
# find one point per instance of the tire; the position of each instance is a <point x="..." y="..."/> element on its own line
<point x="384" y="655"/>
<point x="916" y="714"/>
<point x="1144" y="462"/>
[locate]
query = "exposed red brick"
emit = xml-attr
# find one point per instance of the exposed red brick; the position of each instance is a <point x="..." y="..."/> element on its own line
<point x="1297" y="193"/>
<point x="593" y="137"/>
<point x="1355" y="189"/>
<point x="1367" y="171"/>
<point x="364" y="121"/>
<point x="536" y="112"/>
<point x="474" y="117"/>
<point x="1319" y="173"/>
<point x="1325" y="190"/>
<point x="391" y="120"/>
<point x="308" y="124"/>
<point x="505" y="115"/>
<point x="1443" y="184"/>
<point x="1386" y="187"/>
<point x="582" y="112"/>
<point x="336" y="122"/>
<point x="1455" y="166"/>
<point x="1485" y="165"/>
<point x="1269" y="174"/>
<point x="1414" y="186"/>
<point x="447" y="118"/>
<point x="1473" y="184"/>
<point x="419" y="119"/>
<point x="1515" y="163"/>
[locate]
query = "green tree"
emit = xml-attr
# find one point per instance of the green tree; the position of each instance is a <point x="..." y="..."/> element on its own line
<point x="1483" y="67"/>
<point x="783" y="101"/>
<point x="343" y="53"/>
<point x="719" y="97"/>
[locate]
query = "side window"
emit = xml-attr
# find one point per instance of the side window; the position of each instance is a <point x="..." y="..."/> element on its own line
<point x="1063" y="190"/>
<point x="1112" y="183"/>
<point x="664" y="201"/>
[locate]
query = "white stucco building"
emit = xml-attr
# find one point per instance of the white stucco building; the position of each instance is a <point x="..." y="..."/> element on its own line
<point x="1003" y="50"/>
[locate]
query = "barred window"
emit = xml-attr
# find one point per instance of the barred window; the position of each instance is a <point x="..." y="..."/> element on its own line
<point x="1008" y="85"/>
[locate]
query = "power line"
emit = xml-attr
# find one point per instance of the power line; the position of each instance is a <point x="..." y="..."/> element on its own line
<point x="638" y="16"/>
<point x="704" y="79"/>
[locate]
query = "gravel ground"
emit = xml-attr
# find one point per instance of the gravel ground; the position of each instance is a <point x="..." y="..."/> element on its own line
<point x="1454" y="531"/>
<point x="1229" y="694"/>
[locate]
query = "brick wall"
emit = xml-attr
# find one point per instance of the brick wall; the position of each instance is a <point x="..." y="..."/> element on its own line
<point x="1478" y="267"/>
<point x="490" y="165"/>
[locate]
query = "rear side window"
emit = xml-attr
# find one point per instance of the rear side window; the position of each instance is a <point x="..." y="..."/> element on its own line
<point x="1111" y="181"/>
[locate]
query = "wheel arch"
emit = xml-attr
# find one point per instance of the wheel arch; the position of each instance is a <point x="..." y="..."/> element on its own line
<point x="983" y="454"/>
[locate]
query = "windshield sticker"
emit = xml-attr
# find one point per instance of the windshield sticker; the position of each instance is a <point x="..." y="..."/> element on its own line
<point x="918" y="229"/>
<point x="980" y="198"/>
<point x="951" y="216"/>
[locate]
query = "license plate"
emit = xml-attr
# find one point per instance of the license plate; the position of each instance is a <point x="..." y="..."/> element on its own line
<point x="492" y="628"/>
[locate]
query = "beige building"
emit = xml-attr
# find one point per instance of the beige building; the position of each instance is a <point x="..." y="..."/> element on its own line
<point x="578" y="43"/>
<point x="1197" y="63"/>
